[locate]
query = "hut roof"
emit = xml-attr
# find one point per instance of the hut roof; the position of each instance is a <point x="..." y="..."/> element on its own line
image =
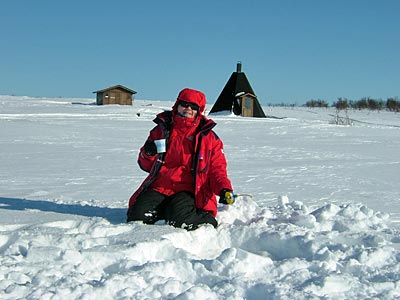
<point x="116" y="87"/>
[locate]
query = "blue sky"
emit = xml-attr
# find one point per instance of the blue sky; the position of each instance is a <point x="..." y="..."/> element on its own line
<point x="291" y="51"/>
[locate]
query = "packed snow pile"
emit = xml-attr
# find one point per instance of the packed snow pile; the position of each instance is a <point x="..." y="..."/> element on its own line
<point x="287" y="251"/>
<point x="323" y="222"/>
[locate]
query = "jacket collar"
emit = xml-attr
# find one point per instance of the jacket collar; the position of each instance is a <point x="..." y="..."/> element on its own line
<point x="166" y="117"/>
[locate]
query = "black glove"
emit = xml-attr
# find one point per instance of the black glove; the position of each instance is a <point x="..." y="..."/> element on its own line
<point x="226" y="197"/>
<point x="150" y="148"/>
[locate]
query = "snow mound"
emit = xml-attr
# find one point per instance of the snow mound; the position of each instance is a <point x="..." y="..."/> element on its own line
<point x="287" y="251"/>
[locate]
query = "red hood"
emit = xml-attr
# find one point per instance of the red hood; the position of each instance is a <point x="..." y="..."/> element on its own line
<point x="192" y="96"/>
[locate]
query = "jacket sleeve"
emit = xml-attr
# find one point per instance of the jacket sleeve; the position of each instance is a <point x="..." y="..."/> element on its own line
<point x="218" y="168"/>
<point x="145" y="161"/>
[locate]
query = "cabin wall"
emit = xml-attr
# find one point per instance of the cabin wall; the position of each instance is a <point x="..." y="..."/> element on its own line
<point x="114" y="96"/>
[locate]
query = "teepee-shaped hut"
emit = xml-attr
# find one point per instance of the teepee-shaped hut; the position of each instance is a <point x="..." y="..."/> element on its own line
<point x="238" y="96"/>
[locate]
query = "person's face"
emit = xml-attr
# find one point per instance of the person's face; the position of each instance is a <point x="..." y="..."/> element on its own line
<point x="187" y="109"/>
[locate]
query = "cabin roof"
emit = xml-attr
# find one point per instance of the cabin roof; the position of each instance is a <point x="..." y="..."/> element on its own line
<point x="116" y="87"/>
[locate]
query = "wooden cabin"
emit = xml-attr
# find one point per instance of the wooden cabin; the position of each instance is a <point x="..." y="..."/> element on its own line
<point x="117" y="94"/>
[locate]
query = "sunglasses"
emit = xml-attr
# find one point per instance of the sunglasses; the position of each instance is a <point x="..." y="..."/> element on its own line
<point x="188" y="104"/>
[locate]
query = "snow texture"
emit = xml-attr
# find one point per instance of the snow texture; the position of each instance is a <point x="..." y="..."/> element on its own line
<point x="322" y="223"/>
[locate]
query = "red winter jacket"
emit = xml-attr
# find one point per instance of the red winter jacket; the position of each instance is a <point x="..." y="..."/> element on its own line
<point x="194" y="161"/>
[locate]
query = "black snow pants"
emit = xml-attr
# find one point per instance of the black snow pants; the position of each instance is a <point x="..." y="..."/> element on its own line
<point x="178" y="210"/>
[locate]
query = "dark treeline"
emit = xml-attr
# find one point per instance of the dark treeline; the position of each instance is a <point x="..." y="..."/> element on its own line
<point x="391" y="104"/>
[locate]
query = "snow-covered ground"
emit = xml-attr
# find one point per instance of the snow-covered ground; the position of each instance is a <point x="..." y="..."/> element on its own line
<point x="323" y="222"/>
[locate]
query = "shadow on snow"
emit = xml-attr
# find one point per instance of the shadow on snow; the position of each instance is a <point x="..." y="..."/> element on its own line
<point x="113" y="215"/>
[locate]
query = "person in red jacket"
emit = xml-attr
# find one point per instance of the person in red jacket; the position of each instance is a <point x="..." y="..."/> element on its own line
<point x="187" y="168"/>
